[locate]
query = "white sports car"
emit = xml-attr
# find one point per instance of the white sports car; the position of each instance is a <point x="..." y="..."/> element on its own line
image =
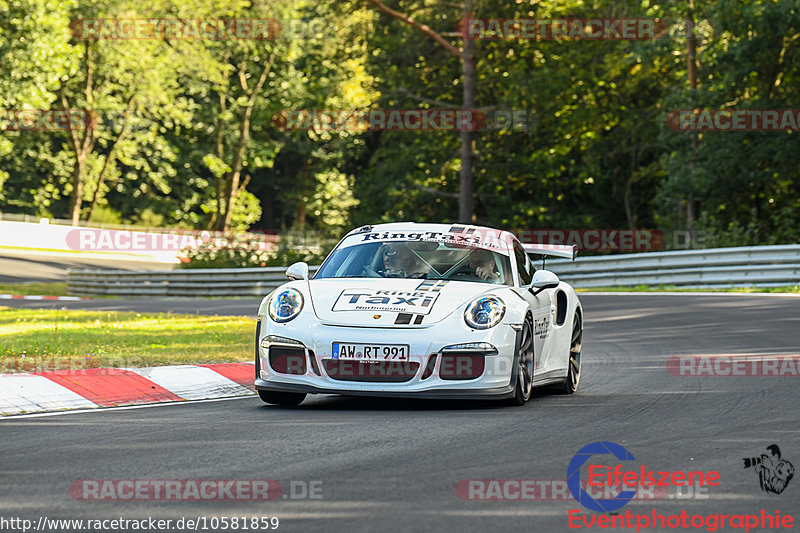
<point x="423" y="311"/>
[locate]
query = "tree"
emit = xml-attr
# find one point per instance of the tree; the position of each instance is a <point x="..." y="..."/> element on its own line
<point x="130" y="87"/>
<point x="34" y="54"/>
<point x="466" y="194"/>
<point x="743" y="181"/>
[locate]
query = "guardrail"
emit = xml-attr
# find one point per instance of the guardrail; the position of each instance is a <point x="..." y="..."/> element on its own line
<point x="759" y="266"/>
<point x="203" y="283"/>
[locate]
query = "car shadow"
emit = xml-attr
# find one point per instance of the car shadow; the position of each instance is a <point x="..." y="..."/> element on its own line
<point x="363" y="403"/>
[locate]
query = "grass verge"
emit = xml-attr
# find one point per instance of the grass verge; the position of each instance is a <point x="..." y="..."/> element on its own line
<point x="54" y="339"/>
<point x="671" y="288"/>
<point x="37" y="289"/>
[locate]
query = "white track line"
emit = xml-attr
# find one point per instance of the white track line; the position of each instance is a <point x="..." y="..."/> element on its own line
<point x="41" y="297"/>
<point x="689" y="293"/>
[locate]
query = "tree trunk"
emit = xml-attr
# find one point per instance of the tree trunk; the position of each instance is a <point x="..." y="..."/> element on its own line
<point x="81" y="147"/>
<point x="691" y="64"/>
<point x="110" y="156"/>
<point x="630" y="212"/>
<point x="466" y="178"/>
<point x="300" y="215"/>
<point x="232" y="183"/>
<point x="220" y="152"/>
<point x="77" y="188"/>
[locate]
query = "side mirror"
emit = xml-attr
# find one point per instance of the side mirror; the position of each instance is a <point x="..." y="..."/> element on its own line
<point x="299" y="271"/>
<point x="543" y="279"/>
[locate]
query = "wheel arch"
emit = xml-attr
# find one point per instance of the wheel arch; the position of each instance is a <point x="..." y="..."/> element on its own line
<point x="517" y="308"/>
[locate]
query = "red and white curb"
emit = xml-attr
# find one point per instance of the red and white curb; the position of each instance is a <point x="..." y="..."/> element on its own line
<point x="34" y="297"/>
<point x="111" y="387"/>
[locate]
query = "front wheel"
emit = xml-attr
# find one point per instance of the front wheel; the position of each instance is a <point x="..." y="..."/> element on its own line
<point x="284" y="399"/>
<point x="524" y="387"/>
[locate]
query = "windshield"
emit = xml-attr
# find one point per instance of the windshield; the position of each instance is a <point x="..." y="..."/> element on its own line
<point x="417" y="260"/>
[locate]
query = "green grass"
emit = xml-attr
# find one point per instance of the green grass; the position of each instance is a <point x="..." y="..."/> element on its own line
<point x="53" y="339"/>
<point x="795" y="289"/>
<point x="37" y="289"/>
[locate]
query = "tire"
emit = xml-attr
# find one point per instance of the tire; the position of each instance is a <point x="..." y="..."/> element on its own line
<point x="258" y="355"/>
<point x="574" y="362"/>
<point x="284" y="399"/>
<point x="524" y="361"/>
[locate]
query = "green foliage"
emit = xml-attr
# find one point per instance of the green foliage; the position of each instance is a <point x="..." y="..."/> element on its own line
<point x="332" y="201"/>
<point x="597" y="151"/>
<point x="236" y="252"/>
<point x="294" y="248"/>
<point x="246" y="211"/>
<point x="225" y="253"/>
<point x="106" y="215"/>
<point x="150" y="219"/>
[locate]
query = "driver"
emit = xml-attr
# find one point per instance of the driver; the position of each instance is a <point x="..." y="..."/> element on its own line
<point x="400" y="262"/>
<point x="482" y="264"/>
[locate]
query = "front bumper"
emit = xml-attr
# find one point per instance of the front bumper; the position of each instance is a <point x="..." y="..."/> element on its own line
<point x="499" y="393"/>
<point x="422" y="378"/>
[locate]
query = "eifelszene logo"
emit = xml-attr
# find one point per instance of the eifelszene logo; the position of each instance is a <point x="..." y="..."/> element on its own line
<point x="631" y="479"/>
<point x="574" y="477"/>
<point x="774" y="473"/>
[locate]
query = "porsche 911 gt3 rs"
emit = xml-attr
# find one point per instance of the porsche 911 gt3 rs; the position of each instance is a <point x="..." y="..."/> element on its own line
<point x="422" y="311"/>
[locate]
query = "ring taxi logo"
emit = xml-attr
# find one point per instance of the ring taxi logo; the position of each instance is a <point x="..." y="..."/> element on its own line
<point x="419" y="302"/>
<point x="606" y="476"/>
<point x="774" y="473"/>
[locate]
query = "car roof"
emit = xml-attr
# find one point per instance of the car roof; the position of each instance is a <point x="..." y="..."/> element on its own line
<point x="503" y="235"/>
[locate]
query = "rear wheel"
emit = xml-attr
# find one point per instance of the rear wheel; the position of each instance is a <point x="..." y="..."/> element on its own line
<point x="574" y="363"/>
<point x="524" y="387"/>
<point x="285" y="399"/>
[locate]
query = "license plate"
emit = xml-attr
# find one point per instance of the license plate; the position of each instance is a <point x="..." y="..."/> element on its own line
<point x="370" y="352"/>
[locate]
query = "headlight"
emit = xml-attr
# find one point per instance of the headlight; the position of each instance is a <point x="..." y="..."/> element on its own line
<point x="285" y="305"/>
<point x="485" y="312"/>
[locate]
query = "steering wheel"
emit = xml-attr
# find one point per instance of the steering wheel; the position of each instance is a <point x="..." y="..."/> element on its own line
<point x="371" y="273"/>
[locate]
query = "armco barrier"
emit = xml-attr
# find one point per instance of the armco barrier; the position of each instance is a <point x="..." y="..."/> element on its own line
<point x="190" y="282"/>
<point x="719" y="267"/>
<point x="760" y="266"/>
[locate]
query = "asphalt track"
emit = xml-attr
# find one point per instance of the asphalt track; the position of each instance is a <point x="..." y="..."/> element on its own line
<point x="389" y="465"/>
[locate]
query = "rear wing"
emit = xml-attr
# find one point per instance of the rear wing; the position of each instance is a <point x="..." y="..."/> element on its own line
<point x="555" y="250"/>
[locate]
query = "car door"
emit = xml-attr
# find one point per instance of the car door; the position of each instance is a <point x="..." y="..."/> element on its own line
<point x="541" y="305"/>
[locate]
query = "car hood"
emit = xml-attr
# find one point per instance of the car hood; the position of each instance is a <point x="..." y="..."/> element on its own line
<point x="369" y="302"/>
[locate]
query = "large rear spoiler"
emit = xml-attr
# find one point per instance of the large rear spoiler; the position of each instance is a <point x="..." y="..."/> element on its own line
<point x="556" y="250"/>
